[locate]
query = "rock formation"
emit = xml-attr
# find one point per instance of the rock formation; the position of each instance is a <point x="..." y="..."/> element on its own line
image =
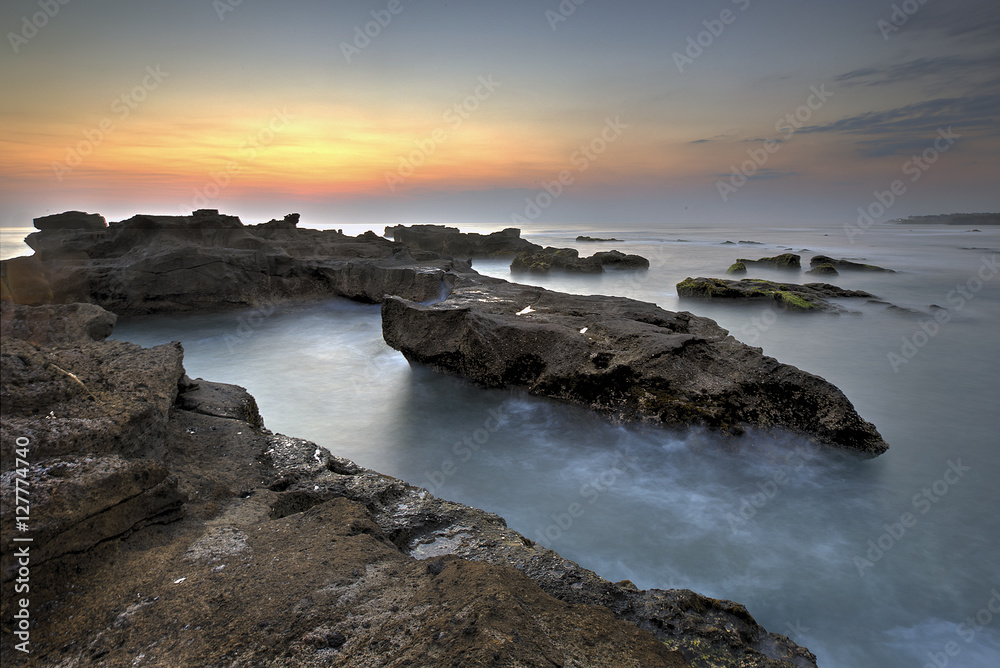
<point x="150" y="264"/>
<point x="568" y="259"/>
<point x="825" y="261"/>
<point x="451" y="241"/>
<point x="812" y="297"/>
<point x="783" y="261"/>
<point x="630" y="360"/>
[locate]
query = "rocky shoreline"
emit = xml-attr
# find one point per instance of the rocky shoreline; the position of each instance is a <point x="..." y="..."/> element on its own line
<point x="171" y="528"/>
<point x="174" y="529"/>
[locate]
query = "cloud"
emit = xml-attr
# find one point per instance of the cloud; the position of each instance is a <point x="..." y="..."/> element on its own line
<point x="971" y="21"/>
<point x="901" y="129"/>
<point x="955" y="70"/>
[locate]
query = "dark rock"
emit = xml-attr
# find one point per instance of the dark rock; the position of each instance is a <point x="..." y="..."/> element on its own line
<point x="451" y="241"/>
<point x="561" y="259"/>
<point x="569" y="260"/>
<point x="150" y="264"/>
<point x="737" y="268"/>
<point x="783" y="261"/>
<point x="56" y="325"/>
<point x="584" y="238"/>
<point x="824" y="270"/>
<point x="657" y="366"/>
<point x="821" y="260"/>
<point x="71" y="220"/>
<point x="78" y="502"/>
<point x="221" y="400"/>
<point x="94" y="398"/>
<point x="789" y="296"/>
<point x="617" y="260"/>
<point x="23" y="279"/>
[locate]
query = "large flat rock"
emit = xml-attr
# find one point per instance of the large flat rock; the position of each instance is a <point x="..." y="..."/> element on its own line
<point x="628" y="359"/>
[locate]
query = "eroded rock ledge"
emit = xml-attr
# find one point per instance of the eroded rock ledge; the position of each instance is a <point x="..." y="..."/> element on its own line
<point x="217" y="542"/>
<point x="628" y="359"/>
<point x="151" y="264"/>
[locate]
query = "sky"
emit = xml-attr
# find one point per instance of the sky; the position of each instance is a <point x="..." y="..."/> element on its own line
<point x="579" y="111"/>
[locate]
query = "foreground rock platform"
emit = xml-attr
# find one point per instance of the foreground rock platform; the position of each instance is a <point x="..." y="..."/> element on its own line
<point x="217" y="542"/>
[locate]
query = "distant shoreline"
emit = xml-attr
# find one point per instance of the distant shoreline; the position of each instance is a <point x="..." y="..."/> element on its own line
<point x="952" y="219"/>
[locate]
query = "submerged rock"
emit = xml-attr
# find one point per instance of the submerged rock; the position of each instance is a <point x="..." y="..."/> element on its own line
<point x="789" y="296"/>
<point x="585" y="238"/>
<point x="824" y="270"/>
<point x="825" y="261"/>
<point x="568" y="259"/>
<point x="783" y="261"/>
<point x="627" y="359"/>
<point x="452" y="241"/>
<point x="561" y="259"/>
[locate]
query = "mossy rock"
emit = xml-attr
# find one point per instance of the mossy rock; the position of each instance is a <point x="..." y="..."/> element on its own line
<point x="824" y="269"/>
<point x="737" y="268"/>
<point x="783" y="261"/>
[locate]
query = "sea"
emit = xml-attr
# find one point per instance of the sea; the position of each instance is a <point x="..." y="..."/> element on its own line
<point x="892" y="562"/>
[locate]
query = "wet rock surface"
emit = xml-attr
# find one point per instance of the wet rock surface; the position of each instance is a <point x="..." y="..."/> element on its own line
<point x="222" y="543"/>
